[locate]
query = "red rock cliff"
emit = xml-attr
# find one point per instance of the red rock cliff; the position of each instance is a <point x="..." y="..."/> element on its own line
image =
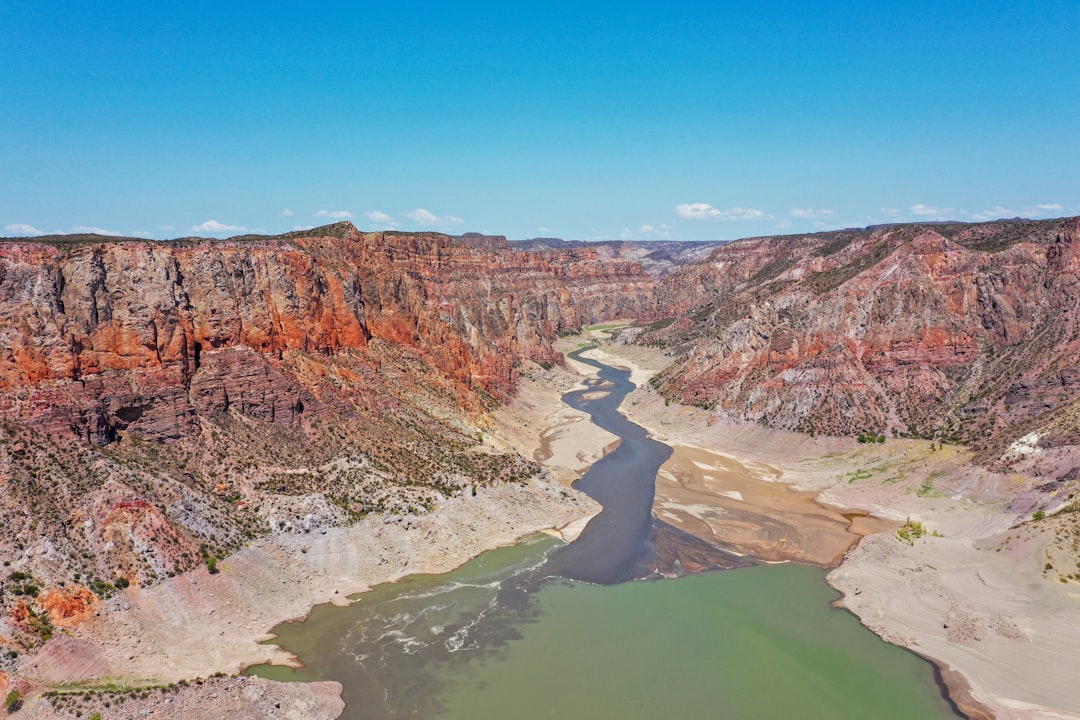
<point x="97" y="337"/>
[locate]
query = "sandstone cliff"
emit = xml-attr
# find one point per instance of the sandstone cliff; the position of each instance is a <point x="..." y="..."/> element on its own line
<point x="954" y="331"/>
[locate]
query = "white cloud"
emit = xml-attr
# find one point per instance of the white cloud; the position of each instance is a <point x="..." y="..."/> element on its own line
<point x="783" y="224"/>
<point x="213" y="226"/>
<point x="812" y="213"/>
<point x="302" y="227"/>
<point x="420" y="216"/>
<point x="95" y="230"/>
<point x="890" y="212"/>
<point x="661" y="230"/>
<point x="705" y="211"/>
<point x="995" y="213"/>
<point x="1044" y="209"/>
<point x="286" y="213"/>
<point x="335" y="214"/>
<point x="167" y="227"/>
<point x="932" y="211"/>
<point x="380" y="218"/>
<point x="696" y="211"/>
<point x="22" y="229"/>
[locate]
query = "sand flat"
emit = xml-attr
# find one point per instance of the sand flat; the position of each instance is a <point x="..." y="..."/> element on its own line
<point x="727" y="504"/>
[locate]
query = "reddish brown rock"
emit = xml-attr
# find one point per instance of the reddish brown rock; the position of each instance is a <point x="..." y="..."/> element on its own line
<point x="962" y="331"/>
<point x="70" y="605"/>
<point x="143" y="337"/>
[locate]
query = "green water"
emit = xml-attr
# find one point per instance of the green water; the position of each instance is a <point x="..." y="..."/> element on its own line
<point x="759" y="643"/>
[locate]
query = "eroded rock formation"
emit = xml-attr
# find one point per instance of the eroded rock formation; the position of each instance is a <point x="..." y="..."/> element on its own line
<point x="967" y="332"/>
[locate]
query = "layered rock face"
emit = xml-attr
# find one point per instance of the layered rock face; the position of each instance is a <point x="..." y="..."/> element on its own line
<point x="967" y="332"/>
<point x="102" y="337"/>
<point x="162" y="403"/>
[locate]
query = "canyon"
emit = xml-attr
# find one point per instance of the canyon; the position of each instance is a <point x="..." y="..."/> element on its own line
<point x="279" y="404"/>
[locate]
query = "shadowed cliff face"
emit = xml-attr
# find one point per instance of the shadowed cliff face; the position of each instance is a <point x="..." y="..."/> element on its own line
<point x="968" y="332"/>
<point x="145" y="337"/>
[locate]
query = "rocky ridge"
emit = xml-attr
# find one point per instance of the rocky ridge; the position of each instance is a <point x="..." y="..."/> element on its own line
<point x="966" y="333"/>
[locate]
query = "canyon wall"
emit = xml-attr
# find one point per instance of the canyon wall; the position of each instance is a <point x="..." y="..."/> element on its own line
<point x="963" y="332"/>
<point x="163" y="403"/>
<point x="143" y="337"/>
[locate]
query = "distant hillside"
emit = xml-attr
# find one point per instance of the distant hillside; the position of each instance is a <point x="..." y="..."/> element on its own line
<point x="659" y="258"/>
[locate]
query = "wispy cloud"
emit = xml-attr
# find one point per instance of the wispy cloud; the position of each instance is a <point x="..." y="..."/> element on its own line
<point x="1044" y="209"/>
<point x="22" y="230"/>
<point x="420" y="216"/>
<point x="334" y="214"/>
<point x="890" y="212"/>
<point x="995" y="213"/>
<point x="286" y="213"/>
<point x="91" y="229"/>
<point x="213" y="226"/>
<point x="660" y="230"/>
<point x="382" y="219"/>
<point x="705" y="211"/>
<point x="932" y="211"/>
<point x="813" y="213"/>
<point x="302" y="227"/>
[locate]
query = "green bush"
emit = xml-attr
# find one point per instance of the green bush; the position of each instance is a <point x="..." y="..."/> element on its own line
<point x="911" y="531"/>
<point x="870" y="436"/>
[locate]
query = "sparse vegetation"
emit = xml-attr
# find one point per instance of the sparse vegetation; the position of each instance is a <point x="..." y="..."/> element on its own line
<point x="13" y="701"/>
<point x="911" y="531"/>
<point x="861" y="474"/>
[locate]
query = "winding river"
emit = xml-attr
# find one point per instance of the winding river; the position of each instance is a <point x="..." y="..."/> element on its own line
<point x="543" y="629"/>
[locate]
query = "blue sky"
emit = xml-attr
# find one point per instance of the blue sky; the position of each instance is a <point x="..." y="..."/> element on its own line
<point x="578" y="120"/>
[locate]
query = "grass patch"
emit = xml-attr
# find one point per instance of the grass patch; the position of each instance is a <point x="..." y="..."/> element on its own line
<point x="608" y="326"/>
<point x="861" y="474"/>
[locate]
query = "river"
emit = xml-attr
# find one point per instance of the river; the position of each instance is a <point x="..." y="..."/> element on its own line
<point x="543" y="629"/>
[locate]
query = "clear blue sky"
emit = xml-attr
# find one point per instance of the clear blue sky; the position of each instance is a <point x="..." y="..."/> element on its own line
<point x="579" y="120"/>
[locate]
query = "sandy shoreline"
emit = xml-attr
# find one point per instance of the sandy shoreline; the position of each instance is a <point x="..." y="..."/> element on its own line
<point x="1004" y="633"/>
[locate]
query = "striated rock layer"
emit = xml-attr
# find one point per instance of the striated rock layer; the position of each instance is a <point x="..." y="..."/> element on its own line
<point x="99" y="337"/>
<point x="955" y="331"/>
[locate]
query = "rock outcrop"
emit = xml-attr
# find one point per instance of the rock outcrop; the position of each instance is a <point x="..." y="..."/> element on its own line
<point x="955" y="331"/>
